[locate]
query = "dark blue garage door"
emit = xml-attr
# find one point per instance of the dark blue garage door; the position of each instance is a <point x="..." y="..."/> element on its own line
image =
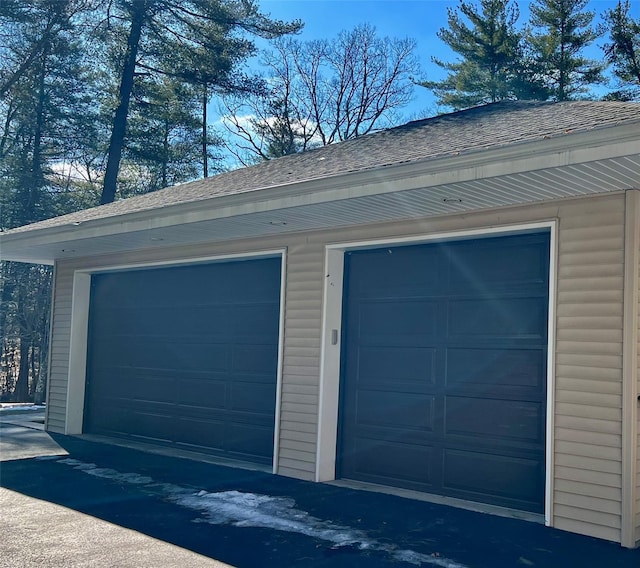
<point x="444" y="368"/>
<point x="187" y="356"/>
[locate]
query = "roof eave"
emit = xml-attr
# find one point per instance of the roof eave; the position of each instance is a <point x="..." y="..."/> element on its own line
<point x="572" y="149"/>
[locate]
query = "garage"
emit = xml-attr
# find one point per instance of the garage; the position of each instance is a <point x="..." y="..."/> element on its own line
<point x="444" y="366"/>
<point x="187" y="356"/>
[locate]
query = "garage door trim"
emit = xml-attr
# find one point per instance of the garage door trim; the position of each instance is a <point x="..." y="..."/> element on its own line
<point x="80" y="325"/>
<point x="327" y="446"/>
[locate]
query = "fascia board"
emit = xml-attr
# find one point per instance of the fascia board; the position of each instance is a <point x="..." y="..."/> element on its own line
<point x="28" y="259"/>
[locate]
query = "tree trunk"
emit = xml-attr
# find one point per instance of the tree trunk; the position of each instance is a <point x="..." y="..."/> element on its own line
<point x="562" y="96"/>
<point x="21" y="392"/>
<point x="32" y="371"/>
<point x="7" y="279"/>
<point x="36" y="180"/>
<point x="205" y="157"/>
<point x="119" y="128"/>
<point x="36" y="49"/>
<point x="165" y="151"/>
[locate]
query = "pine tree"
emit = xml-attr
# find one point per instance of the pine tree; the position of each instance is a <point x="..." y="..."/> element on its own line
<point x="169" y="37"/>
<point x="623" y="51"/>
<point x="43" y="104"/>
<point x="164" y="134"/>
<point x="561" y="31"/>
<point x="488" y="44"/>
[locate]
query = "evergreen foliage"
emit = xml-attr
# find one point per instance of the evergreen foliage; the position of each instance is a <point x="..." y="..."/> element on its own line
<point x="490" y="66"/>
<point x="192" y="41"/>
<point x="623" y="51"/>
<point x="561" y="30"/>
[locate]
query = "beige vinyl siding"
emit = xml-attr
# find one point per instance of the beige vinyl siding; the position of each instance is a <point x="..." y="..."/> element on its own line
<point x="588" y="415"/>
<point x="301" y="362"/>
<point x="59" y="352"/>
<point x="588" y="377"/>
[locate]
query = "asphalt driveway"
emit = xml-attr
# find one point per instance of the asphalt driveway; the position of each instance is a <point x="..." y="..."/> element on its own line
<point x="66" y="501"/>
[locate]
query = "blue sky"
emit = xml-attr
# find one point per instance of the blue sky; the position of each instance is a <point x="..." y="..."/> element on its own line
<point x="418" y="19"/>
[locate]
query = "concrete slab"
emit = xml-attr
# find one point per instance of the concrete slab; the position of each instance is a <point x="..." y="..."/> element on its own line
<point x="36" y="533"/>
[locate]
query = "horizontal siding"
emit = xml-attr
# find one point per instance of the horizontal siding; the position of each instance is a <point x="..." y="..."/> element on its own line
<point x="300" y="469"/>
<point x="573" y="487"/>
<point x="59" y="353"/>
<point x="587" y="411"/>
<point x="586" y="527"/>
<point x="589" y="463"/>
<point x="588" y="395"/>
<point x="55" y="426"/>
<point x="296" y="426"/>
<point x="301" y="361"/>
<point x="609" y="522"/>
<point x="570" y="448"/>
<point x="589" y="503"/>
<point x="582" y="436"/>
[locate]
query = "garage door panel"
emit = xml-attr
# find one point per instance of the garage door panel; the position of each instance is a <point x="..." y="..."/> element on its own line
<point x="250" y="320"/>
<point x="451" y="373"/>
<point x="103" y="423"/>
<point x="501" y="478"/>
<point x="250" y="440"/>
<point x="139" y="384"/>
<point x="386" y="320"/>
<point x="487" y="319"/>
<point x="254" y="359"/>
<point x="499" y="420"/>
<point x="196" y="347"/>
<point x="250" y="397"/>
<point x="467" y="367"/>
<point x="477" y="267"/>
<point x="389" y="409"/>
<point x="147" y="352"/>
<point x="403" y="274"/>
<point x="150" y="320"/>
<point x="415" y="365"/>
<point x="205" y="392"/>
<point x="151" y="387"/>
<point x="379" y="462"/>
<point x="144" y="423"/>
<point x="203" y="432"/>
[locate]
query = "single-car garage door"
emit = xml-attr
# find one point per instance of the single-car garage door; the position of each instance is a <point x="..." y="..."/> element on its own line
<point x="444" y="368"/>
<point x="187" y="356"/>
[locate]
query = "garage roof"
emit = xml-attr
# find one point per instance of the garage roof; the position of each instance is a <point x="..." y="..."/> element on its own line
<point x="499" y="133"/>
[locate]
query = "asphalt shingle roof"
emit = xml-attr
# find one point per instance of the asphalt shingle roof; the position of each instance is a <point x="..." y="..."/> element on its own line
<point x="490" y="126"/>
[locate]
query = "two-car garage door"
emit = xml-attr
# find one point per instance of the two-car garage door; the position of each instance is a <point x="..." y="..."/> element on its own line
<point x="187" y="356"/>
<point x="444" y="368"/>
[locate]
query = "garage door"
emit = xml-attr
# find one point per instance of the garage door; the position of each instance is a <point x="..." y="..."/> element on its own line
<point x="187" y="356"/>
<point x="444" y="369"/>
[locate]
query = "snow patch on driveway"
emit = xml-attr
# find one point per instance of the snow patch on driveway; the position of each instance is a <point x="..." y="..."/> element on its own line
<point x="263" y="511"/>
<point x="279" y="513"/>
<point x="20" y="406"/>
<point x="240" y="509"/>
<point x="108" y="473"/>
